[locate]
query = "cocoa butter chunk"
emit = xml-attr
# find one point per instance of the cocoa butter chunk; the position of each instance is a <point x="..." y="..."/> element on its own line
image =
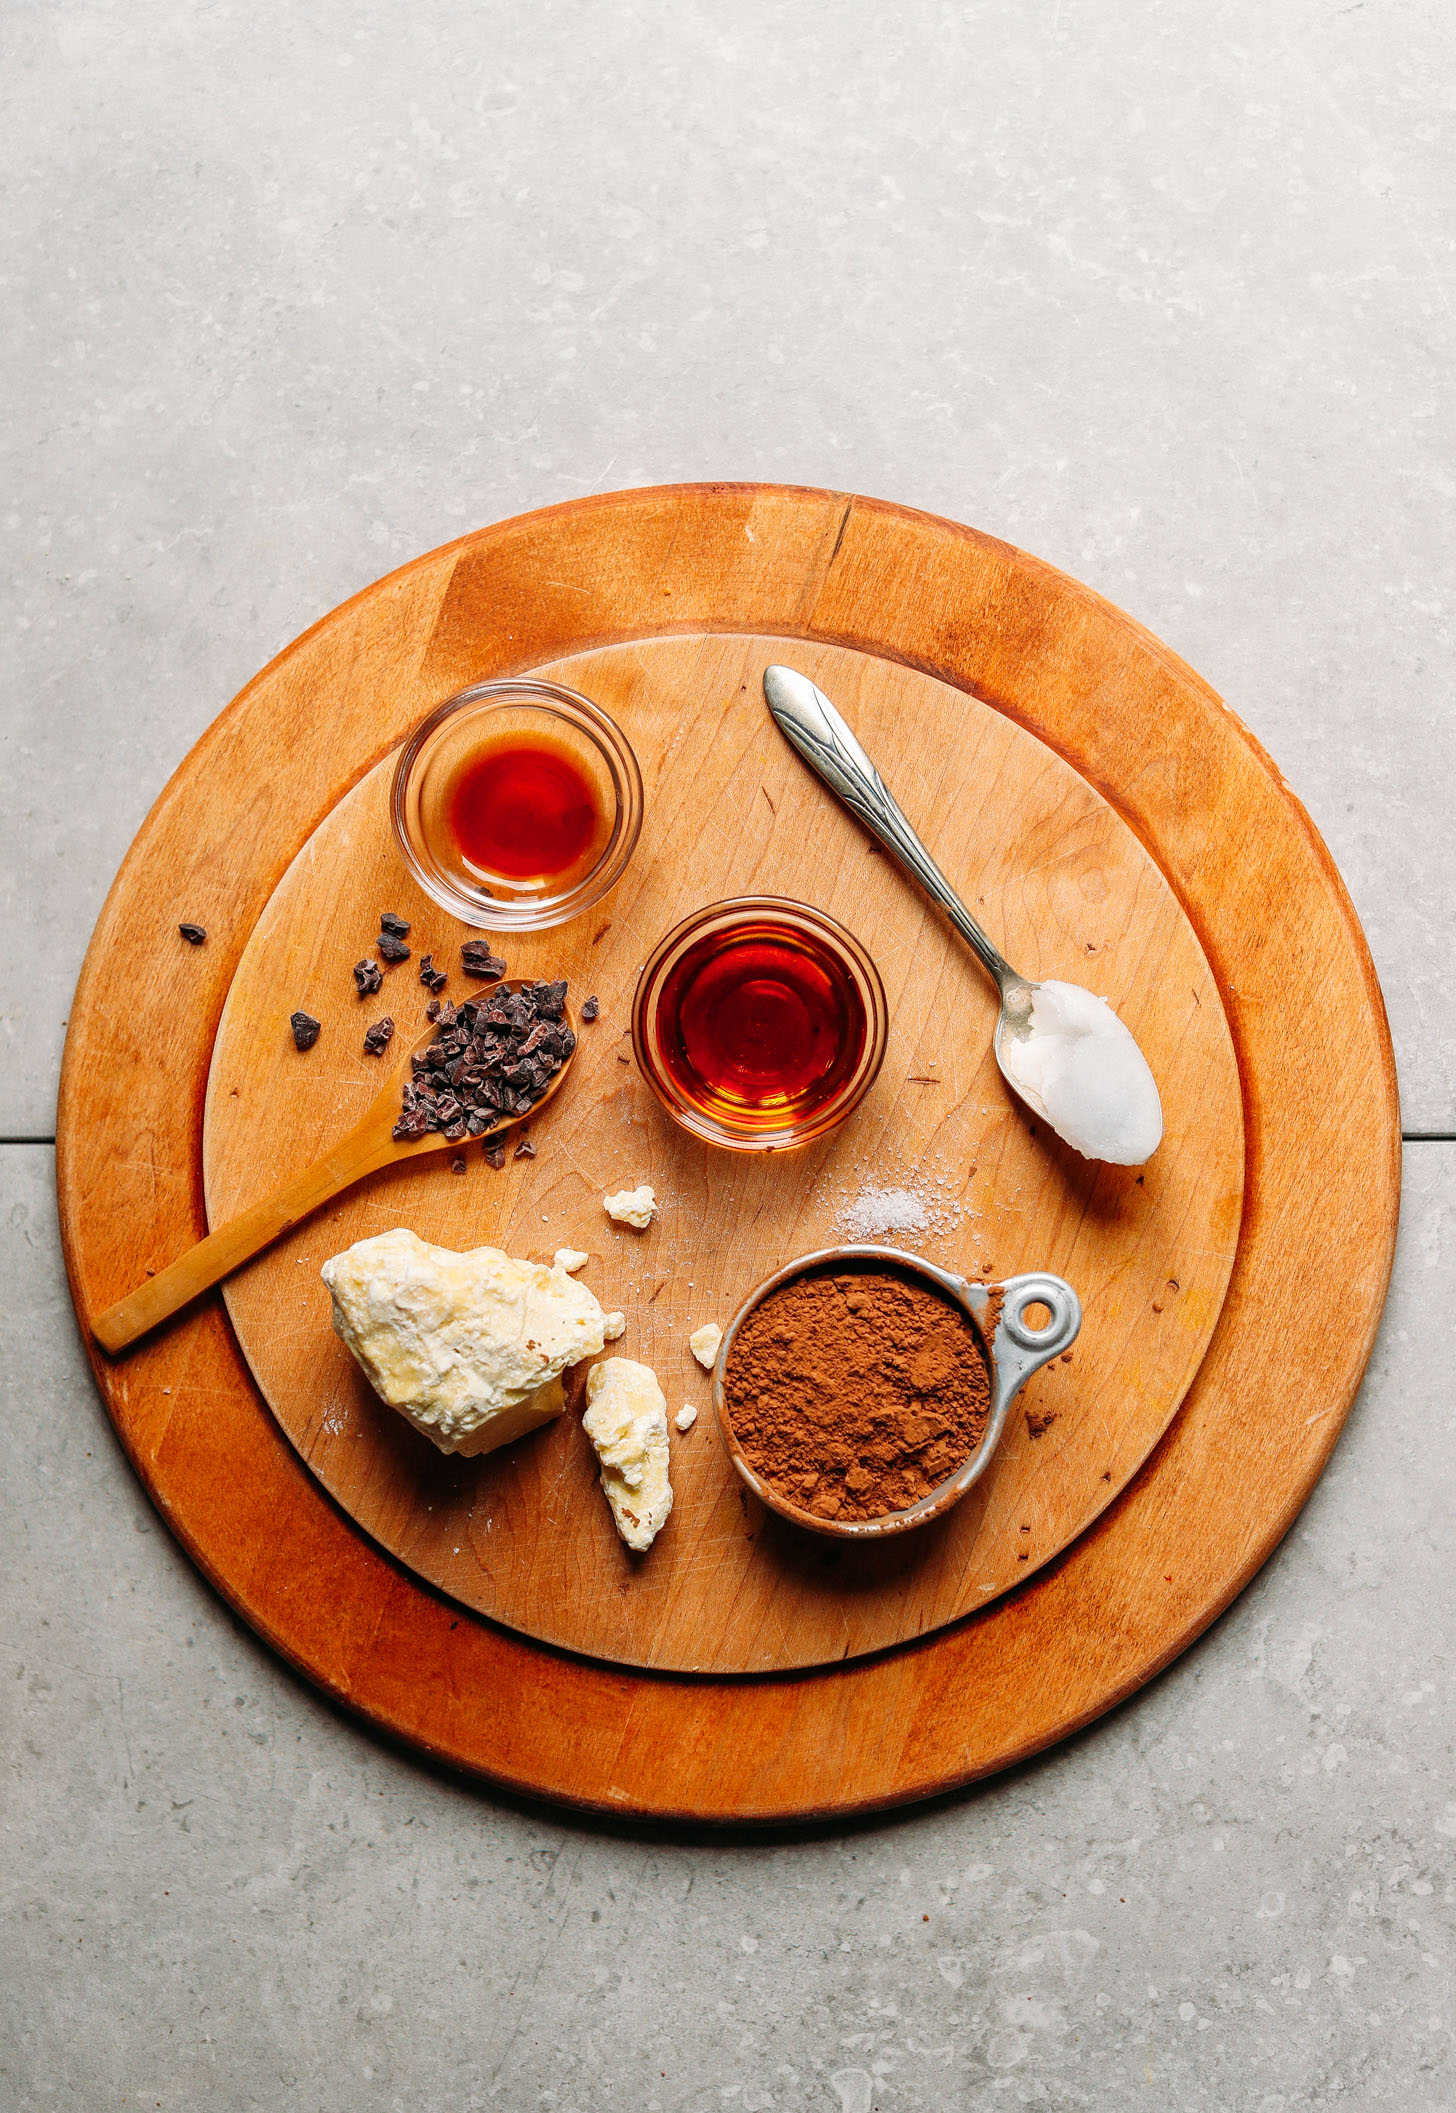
<point x="591" y="1008"/>
<point x="396" y="926"/>
<point x="305" y="1029"/>
<point x="368" y="978"/>
<point x="477" y="959"/>
<point x="376" y="1040"/>
<point x="389" y="948"/>
<point x="193" y="934"/>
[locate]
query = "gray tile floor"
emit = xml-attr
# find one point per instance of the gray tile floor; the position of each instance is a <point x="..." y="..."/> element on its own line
<point x="1161" y="292"/>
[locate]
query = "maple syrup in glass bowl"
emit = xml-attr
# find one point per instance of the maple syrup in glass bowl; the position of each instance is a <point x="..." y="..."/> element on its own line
<point x="517" y="804"/>
<point x="759" y="1023"/>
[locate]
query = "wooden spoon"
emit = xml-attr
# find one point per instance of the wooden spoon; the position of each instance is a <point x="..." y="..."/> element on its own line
<point x="367" y="1147"/>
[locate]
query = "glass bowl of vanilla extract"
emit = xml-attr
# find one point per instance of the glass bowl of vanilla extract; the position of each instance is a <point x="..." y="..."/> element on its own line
<point x="759" y="1023"/>
<point x="517" y="804"/>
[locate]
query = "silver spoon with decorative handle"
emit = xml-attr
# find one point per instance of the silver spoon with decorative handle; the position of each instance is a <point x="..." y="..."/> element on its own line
<point x="803" y="713"/>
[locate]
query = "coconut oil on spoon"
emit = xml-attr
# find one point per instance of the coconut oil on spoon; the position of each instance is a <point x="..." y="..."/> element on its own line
<point x="1061" y="1049"/>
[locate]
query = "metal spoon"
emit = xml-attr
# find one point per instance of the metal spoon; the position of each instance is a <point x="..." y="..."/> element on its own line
<point x="804" y="713"/>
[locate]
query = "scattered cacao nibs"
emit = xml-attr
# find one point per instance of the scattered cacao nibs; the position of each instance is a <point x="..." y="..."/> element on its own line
<point x="491" y="1056"/>
<point x="305" y="1029"/>
<point x="376" y="1040"/>
<point x="390" y="948"/>
<point x="591" y="1009"/>
<point x="368" y="978"/>
<point x="457" y="1165"/>
<point x="524" y="1150"/>
<point x="396" y="926"/>
<point x="477" y="959"/>
<point x="495" y="1156"/>
<point x="432" y="1010"/>
<point x="194" y="934"/>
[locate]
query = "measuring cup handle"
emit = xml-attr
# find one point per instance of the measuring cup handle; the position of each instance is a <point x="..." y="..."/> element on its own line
<point x="1020" y="1349"/>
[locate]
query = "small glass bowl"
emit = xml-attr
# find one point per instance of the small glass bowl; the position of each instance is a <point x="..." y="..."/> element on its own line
<point x="491" y="713"/>
<point x="747" y="1127"/>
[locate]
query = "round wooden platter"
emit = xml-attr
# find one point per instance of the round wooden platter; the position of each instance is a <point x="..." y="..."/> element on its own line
<point x="1303" y="1009"/>
<point x="524" y="1535"/>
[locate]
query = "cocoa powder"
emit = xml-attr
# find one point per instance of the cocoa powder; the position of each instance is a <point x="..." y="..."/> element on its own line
<point x="856" y="1392"/>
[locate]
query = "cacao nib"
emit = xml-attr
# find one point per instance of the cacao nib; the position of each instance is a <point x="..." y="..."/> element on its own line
<point x="477" y="959"/>
<point x="390" y="948"/>
<point x="550" y="1000"/>
<point x="305" y="1029"/>
<point x="455" y="1131"/>
<point x="432" y="1010"/>
<point x="591" y="1009"/>
<point x="412" y="1126"/>
<point x="525" y="1149"/>
<point x="368" y="978"/>
<point x="457" y="1165"/>
<point x="376" y="1038"/>
<point x="396" y="926"/>
<point x="495" y="1156"/>
<point x="194" y="934"/>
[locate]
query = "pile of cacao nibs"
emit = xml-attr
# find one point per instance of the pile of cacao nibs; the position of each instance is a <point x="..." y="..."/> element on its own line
<point x="491" y="1057"/>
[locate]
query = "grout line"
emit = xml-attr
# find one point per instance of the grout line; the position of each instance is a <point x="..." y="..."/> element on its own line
<point x="1409" y="1137"/>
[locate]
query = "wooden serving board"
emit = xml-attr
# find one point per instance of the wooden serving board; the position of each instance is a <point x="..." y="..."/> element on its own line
<point x="1321" y="1128"/>
<point x="524" y="1534"/>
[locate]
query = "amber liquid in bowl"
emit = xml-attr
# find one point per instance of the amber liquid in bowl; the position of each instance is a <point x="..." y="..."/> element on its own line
<point x="521" y="811"/>
<point x="761" y="1026"/>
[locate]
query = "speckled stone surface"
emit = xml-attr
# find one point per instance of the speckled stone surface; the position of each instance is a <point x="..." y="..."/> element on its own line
<point x="1159" y="292"/>
<point x="1237" y="1892"/>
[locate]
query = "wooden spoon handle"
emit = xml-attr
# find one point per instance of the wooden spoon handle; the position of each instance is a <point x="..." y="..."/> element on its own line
<point x="241" y="1238"/>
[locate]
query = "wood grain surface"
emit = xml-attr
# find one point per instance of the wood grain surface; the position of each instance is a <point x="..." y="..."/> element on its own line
<point x="1321" y="1144"/>
<point x="524" y="1534"/>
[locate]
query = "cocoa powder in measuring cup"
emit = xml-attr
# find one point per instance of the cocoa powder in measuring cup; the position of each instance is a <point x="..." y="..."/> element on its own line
<point x="856" y="1392"/>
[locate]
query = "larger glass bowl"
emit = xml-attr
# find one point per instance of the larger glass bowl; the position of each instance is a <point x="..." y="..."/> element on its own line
<point x="523" y="714"/>
<point x="727" y="1109"/>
